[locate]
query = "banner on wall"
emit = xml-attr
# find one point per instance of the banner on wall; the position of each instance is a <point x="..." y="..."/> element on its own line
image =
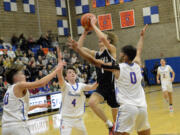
<point x="105" y="22"/>
<point x="127" y="18"/>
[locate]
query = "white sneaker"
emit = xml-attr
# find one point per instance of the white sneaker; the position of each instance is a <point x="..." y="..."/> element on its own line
<point x="171" y="108"/>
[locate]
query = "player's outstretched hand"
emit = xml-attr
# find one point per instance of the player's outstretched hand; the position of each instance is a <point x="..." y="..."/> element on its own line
<point x="60" y="66"/>
<point x="144" y="29"/>
<point x="72" y="44"/>
<point x="93" y="20"/>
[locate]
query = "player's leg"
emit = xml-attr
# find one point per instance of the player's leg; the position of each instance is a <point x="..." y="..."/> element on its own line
<point x="170" y="91"/>
<point x="65" y="127"/>
<point x="126" y="119"/>
<point x="15" y="131"/>
<point x="165" y="91"/>
<point x="94" y="102"/>
<point x="165" y="95"/>
<point x="80" y="127"/>
<point x="114" y="113"/>
<point x="142" y="125"/>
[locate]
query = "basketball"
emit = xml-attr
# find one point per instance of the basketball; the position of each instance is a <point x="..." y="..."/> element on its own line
<point x="85" y="21"/>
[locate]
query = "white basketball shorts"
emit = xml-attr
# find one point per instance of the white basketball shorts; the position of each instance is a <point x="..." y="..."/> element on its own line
<point x="167" y="86"/>
<point x="131" y="118"/>
<point x="67" y="124"/>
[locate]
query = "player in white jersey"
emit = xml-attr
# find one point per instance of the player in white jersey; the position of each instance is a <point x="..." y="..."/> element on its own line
<point x="16" y="100"/>
<point x="129" y="92"/>
<point x="73" y="101"/>
<point x="166" y="82"/>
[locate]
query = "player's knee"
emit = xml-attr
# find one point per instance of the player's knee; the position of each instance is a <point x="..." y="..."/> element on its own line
<point x="92" y="103"/>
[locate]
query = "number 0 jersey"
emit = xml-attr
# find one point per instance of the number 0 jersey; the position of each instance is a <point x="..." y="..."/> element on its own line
<point x="73" y="100"/>
<point x="128" y="86"/>
<point x="15" y="110"/>
<point x="165" y="73"/>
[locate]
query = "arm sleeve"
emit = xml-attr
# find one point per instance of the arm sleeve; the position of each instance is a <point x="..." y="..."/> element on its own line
<point x="170" y="69"/>
<point x="114" y="66"/>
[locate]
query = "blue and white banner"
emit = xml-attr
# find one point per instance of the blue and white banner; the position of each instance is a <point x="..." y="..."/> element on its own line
<point x="56" y="100"/>
<point x="80" y="28"/>
<point x="151" y="15"/>
<point x="10" y="5"/>
<point x="61" y="7"/>
<point x="63" y="29"/>
<point x="81" y="6"/>
<point x="29" y="6"/>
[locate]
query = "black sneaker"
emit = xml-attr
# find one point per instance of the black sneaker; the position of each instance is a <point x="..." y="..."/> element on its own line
<point x="111" y="130"/>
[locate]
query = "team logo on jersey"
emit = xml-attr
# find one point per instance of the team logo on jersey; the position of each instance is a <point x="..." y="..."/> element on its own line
<point x="73" y="94"/>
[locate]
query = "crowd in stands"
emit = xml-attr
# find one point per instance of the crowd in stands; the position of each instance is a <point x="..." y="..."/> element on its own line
<point x="38" y="58"/>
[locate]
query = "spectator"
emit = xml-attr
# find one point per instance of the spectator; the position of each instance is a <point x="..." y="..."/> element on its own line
<point x="31" y="41"/>
<point x="18" y="52"/>
<point x="74" y="58"/>
<point x="49" y="68"/>
<point x="34" y="72"/>
<point x="1" y="65"/>
<point x="23" y="43"/>
<point x="32" y="61"/>
<point x="40" y="52"/>
<point x="11" y="53"/>
<point x="154" y="70"/>
<point x="27" y="73"/>
<point x="40" y="75"/>
<point x="2" y="85"/>
<point x="66" y="55"/>
<point x="14" y="40"/>
<point x="24" y="59"/>
<point x="7" y="63"/>
<point x="43" y="40"/>
<point x="44" y="71"/>
<point x="39" y="63"/>
<point x="44" y="61"/>
<point x="18" y="62"/>
<point x="51" y="55"/>
<point x="54" y="86"/>
<point x="29" y="53"/>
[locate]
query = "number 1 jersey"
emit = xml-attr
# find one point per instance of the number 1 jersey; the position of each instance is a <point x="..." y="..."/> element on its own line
<point x="128" y="85"/>
<point x="73" y="100"/>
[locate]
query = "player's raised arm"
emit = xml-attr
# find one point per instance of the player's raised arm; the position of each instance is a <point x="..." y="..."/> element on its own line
<point x="81" y="44"/>
<point x="140" y="46"/>
<point x="102" y="37"/>
<point x="60" y="73"/>
<point x="40" y="83"/>
<point x="74" y="45"/>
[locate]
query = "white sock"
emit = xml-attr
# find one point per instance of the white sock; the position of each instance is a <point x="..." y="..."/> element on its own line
<point x="109" y="123"/>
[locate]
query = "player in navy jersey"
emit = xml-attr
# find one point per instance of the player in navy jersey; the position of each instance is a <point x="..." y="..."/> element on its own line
<point x="105" y="90"/>
<point x="130" y="95"/>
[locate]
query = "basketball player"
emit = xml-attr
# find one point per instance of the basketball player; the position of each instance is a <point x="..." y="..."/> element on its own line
<point x="166" y="82"/>
<point x="105" y="90"/>
<point x="130" y="95"/>
<point x="73" y="101"/>
<point x="16" y="100"/>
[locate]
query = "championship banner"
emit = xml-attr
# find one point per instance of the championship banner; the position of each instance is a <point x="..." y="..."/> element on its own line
<point x="127" y="18"/>
<point x="105" y="22"/>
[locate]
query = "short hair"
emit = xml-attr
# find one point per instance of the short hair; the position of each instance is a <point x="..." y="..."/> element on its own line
<point x="112" y="37"/>
<point x="130" y="51"/>
<point x="10" y="72"/>
<point x="69" y="68"/>
<point x="163" y="59"/>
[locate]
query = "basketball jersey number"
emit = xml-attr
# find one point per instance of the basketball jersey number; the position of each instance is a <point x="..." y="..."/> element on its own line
<point x="6" y="99"/>
<point x="133" y="77"/>
<point x="74" y="102"/>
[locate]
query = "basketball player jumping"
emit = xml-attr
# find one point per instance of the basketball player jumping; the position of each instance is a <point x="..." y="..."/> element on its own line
<point x="166" y="82"/>
<point x="73" y="101"/>
<point x="16" y="100"/>
<point x="129" y="92"/>
<point x="105" y="90"/>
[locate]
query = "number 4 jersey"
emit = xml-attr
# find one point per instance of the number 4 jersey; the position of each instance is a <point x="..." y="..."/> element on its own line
<point x="128" y="86"/>
<point x="73" y="100"/>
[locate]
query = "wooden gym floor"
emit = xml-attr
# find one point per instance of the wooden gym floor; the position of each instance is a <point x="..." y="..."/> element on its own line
<point x="161" y="120"/>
